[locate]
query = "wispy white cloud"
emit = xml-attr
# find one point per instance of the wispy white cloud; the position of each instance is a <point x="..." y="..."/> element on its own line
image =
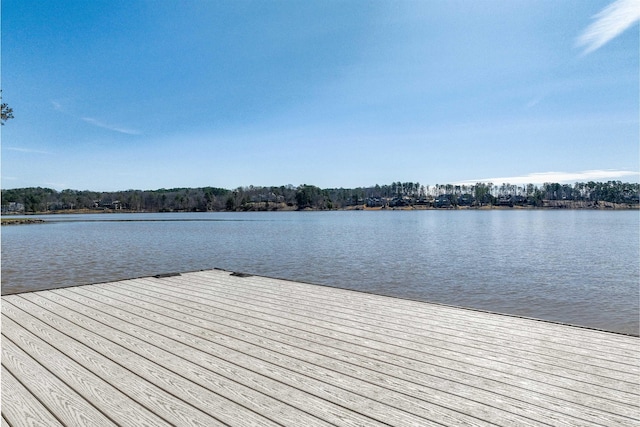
<point x="610" y="22"/>
<point x="110" y="127"/>
<point x="56" y="105"/>
<point x="26" y="150"/>
<point x="558" y="177"/>
<point x="535" y="101"/>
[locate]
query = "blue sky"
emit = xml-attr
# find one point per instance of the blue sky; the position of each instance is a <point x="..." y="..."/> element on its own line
<point x="114" y="95"/>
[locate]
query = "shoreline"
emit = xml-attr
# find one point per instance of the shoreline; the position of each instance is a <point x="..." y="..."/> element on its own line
<point x="20" y="221"/>
<point x="21" y="218"/>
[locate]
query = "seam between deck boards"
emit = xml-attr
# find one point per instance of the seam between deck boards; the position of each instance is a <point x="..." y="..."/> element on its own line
<point x="429" y="302"/>
<point x="137" y="338"/>
<point x="320" y="293"/>
<point x="186" y="344"/>
<point x="302" y="281"/>
<point x="312" y="415"/>
<point x="71" y="356"/>
<point x="62" y="381"/>
<point x="313" y="325"/>
<point x="258" y="297"/>
<point x="264" y="345"/>
<point x="37" y="398"/>
<point x="325" y="293"/>
<point x="164" y="390"/>
<point x="164" y="367"/>
<point x="84" y="391"/>
<point x="281" y="353"/>
<point x="368" y="397"/>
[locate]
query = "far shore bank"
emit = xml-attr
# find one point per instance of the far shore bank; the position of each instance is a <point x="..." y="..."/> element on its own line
<point x="18" y="221"/>
<point x="23" y="218"/>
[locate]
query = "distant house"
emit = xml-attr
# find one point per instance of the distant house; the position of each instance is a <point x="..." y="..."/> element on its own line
<point x="400" y="201"/>
<point x="375" y="202"/>
<point x="505" y="201"/>
<point x="107" y="204"/>
<point x="12" y="207"/>
<point x="443" y="201"/>
<point x="511" y="200"/>
<point x="466" y="200"/>
<point x="519" y="200"/>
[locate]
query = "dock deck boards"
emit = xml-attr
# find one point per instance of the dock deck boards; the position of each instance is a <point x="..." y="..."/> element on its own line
<point x="212" y="349"/>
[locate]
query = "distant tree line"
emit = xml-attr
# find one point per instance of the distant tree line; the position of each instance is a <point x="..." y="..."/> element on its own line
<point x="397" y="194"/>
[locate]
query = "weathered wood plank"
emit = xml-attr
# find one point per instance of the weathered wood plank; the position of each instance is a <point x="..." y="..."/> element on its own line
<point x="401" y="307"/>
<point x="207" y="348"/>
<point x="62" y="401"/>
<point x="147" y="394"/>
<point x="223" y="379"/>
<point x="21" y="407"/>
<point x="235" y="364"/>
<point x="561" y="391"/>
<point x="400" y="313"/>
<point x="395" y="309"/>
<point x="105" y="397"/>
<point x="469" y="387"/>
<point x="539" y="356"/>
<point x="184" y="403"/>
<point x="417" y="331"/>
<point x="196" y="335"/>
<point x="150" y="345"/>
<point x="393" y="410"/>
<point x="453" y="355"/>
<point x="592" y="338"/>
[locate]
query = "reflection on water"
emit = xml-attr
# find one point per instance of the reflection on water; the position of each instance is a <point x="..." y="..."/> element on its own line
<point x="578" y="267"/>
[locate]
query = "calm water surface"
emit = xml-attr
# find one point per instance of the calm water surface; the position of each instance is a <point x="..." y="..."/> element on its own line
<point x="577" y="267"/>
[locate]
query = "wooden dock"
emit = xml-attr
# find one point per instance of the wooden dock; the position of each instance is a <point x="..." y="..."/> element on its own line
<point x="214" y="349"/>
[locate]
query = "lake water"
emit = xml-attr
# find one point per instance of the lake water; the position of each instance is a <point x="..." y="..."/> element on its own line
<point x="577" y="267"/>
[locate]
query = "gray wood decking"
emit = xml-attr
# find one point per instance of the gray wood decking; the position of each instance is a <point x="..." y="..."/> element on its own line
<point x="211" y="349"/>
